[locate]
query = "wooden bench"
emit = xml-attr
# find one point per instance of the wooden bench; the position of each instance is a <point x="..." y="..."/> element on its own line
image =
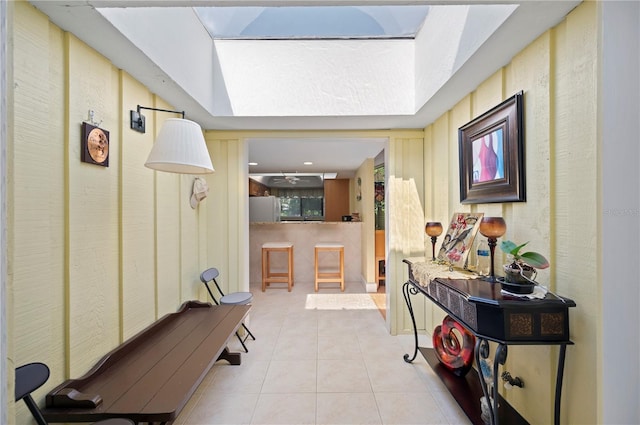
<point x="151" y="376"/>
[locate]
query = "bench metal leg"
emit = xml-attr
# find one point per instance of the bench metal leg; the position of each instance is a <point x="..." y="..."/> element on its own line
<point x="233" y="358"/>
<point x="249" y="334"/>
<point x="246" y="350"/>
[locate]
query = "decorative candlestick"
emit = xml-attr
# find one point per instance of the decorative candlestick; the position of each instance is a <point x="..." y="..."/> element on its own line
<point x="433" y="229"/>
<point x="492" y="228"/>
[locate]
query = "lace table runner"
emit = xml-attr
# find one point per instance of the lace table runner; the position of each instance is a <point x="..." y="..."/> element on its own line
<point x="425" y="272"/>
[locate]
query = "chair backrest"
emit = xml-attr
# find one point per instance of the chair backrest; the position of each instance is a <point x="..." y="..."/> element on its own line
<point x="29" y="378"/>
<point x="32" y="376"/>
<point x="210" y="275"/>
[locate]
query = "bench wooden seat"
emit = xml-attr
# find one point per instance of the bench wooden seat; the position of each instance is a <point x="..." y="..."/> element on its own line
<point x="151" y="376"/>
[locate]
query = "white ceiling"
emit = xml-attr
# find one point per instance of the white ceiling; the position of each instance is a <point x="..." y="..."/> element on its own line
<point x="329" y="155"/>
<point x="172" y="59"/>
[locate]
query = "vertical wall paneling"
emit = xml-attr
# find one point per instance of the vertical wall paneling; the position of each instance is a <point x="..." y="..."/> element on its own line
<point x="168" y="202"/>
<point x="365" y="206"/>
<point x="59" y="218"/>
<point x="95" y="232"/>
<point x="459" y="115"/>
<point x="228" y="214"/>
<point x="189" y="239"/>
<point x="227" y="237"/>
<point x="92" y="243"/>
<point x="28" y="226"/>
<point x="436" y="165"/>
<point x="558" y="74"/>
<point x="575" y="198"/>
<point x="237" y="193"/>
<point x="137" y="209"/>
<point x="441" y="161"/>
<point x="35" y="234"/>
<point x="220" y="195"/>
<point x="529" y="71"/>
<point x="94" y="254"/>
<point x="227" y="218"/>
<point x="406" y="227"/>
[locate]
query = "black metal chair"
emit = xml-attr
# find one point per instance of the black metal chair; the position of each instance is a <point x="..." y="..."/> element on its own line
<point x="32" y="376"/>
<point x="234" y="298"/>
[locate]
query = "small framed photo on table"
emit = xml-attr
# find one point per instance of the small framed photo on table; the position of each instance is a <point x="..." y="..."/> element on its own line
<point x="458" y="240"/>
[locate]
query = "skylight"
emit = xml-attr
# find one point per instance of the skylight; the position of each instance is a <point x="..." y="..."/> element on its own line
<point x="321" y="22"/>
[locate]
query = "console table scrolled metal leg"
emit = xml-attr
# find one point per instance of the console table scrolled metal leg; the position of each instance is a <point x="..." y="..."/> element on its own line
<point x="500" y="358"/>
<point x="407" y="291"/>
<point x="559" y="376"/>
<point x="482" y="351"/>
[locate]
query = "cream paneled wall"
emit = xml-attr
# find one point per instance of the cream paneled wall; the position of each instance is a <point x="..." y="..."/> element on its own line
<point x="574" y="181"/>
<point x="94" y="254"/>
<point x="91" y="205"/>
<point x="406" y="164"/>
<point x="558" y="74"/>
<point x="227" y="237"/>
<point x="36" y="206"/>
<point x="172" y="193"/>
<point x="365" y="207"/>
<point x="119" y="247"/>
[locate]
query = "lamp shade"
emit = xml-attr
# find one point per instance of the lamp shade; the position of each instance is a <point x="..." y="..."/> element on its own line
<point x="180" y="148"/>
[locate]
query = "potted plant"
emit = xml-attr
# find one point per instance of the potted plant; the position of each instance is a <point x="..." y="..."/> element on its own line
<point x="520" y="273"/>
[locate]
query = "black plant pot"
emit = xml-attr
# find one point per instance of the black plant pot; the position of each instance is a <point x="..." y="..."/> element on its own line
<point x="517" y="288"/>
<point x="518" y="281"/>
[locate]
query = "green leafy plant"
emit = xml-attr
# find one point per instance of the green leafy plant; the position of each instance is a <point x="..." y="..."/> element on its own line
<point x="530" y="258"/>
<point x="520" y="274"/>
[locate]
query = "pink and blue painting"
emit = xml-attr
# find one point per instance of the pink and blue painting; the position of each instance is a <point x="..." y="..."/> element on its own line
<point x="488" y="157"/>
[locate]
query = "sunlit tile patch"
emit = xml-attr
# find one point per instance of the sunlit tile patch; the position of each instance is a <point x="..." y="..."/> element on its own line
<point x="340" y="302"/>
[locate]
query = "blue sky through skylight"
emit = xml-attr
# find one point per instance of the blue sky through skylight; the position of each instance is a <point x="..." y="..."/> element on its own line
<point x="313" y="21"/>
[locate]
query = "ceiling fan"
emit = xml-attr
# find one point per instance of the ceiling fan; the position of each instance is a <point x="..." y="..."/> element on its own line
<point x="286" y="179"/>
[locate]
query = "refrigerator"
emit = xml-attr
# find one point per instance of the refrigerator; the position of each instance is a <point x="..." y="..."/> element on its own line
<point x="264" y="209"/>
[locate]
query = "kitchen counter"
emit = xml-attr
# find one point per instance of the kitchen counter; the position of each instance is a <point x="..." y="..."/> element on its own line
<point x="304" y="235"/>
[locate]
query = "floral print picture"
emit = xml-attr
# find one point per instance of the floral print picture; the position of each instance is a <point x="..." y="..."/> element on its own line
<point x="459" y="238"/>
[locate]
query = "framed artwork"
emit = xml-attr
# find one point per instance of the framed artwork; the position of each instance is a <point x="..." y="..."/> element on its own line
<point x="458" y="240"/>
<point x="491" y="151"/>
<point x="94" y="147"/>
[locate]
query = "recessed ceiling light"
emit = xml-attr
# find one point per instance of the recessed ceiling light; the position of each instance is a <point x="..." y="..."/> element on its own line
<point x="253" y="163"/>
<point x="308" y="163"/>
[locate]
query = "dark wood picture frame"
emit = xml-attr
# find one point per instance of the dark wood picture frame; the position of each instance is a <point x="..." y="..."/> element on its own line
<point x="94" y="145"/>
<point x="491" y="151"/>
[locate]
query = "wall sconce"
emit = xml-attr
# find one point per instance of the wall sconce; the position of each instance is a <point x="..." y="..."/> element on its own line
<point x="433" y="229"/>
<point x="179" y="147"/>
<point x="492" y="228"/>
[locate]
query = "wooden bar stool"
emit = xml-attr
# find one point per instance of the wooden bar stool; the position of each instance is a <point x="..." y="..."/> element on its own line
<point x="269" y="276"/>
<point x="335" y="275"/>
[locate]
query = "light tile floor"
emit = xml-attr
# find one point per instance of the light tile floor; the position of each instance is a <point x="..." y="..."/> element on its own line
<point x="321" y="358"/>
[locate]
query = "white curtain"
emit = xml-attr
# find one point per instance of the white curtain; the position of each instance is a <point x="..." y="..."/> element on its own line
<point x="406" y="217"/>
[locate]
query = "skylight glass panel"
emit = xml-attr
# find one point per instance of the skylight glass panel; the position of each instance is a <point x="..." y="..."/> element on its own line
<point x="308" y="22"/>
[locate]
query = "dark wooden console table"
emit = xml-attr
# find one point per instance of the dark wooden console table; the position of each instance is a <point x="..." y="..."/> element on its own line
<point x="481" y="308"/>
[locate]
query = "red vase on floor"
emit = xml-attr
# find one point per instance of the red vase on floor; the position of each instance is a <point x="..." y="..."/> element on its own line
<point x="455" y="355"/>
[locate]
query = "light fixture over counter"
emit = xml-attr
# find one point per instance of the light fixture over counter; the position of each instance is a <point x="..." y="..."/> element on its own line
<point x="180" y="146"/>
